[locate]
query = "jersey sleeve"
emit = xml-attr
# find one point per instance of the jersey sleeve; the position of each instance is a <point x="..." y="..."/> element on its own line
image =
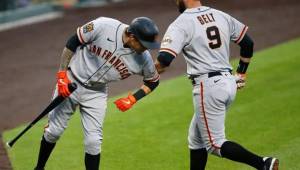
<point x="89" y="32"/>
<point x="237" y="30"/>
<point x="149" y="71"/>
<point x="174" y="40"/>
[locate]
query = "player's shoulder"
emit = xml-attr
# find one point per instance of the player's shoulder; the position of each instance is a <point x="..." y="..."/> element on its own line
<point x="221" y="13"/>
<point x="107" y="21"/>
<point x="144" y="57"/>
<point x="182" y="22"/>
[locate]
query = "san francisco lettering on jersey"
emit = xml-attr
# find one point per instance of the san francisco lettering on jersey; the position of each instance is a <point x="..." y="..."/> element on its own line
<point x="206" y="18"/>
<point x="113" y="60"/>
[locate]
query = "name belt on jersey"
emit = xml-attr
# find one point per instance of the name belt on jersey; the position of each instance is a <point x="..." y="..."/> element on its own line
<point x="113" y="60"/>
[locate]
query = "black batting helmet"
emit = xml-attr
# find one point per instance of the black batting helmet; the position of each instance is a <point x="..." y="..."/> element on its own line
<point x="146" y="31"/>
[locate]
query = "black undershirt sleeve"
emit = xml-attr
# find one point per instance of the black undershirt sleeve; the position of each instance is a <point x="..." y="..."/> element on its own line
<point x="73" y="43"/>
<point x="165" y="58"/>
<point x="151" y="85"/>
<point x="139" y="94"/>
<point x="247" y="46"/>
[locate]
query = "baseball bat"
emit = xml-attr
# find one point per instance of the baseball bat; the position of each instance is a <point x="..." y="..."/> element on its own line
<point x="58" y="100"/>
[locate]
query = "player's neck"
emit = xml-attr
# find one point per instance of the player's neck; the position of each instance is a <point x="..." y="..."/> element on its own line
<point x="195" y="4"/>
<point x="125" y="39"/>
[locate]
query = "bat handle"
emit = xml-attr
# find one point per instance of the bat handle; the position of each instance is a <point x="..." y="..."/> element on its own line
<point x="72" y="87"/>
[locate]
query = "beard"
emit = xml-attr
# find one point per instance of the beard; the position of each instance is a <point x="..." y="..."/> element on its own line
<point x="180" y="5"/>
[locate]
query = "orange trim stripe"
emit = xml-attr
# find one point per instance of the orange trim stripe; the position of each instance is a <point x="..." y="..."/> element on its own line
<point x="168" y="51"/>
<point x="205" y="119"/>
<point x="80" y="36"/>
<point x="242" y="34"/>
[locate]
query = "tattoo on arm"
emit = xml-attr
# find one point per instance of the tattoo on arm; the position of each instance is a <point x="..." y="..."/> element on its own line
<point x="65" y="59"/>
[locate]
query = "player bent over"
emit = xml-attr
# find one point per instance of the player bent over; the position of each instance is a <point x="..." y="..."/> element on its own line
<point x="203" y="35"/>
<point x="102" y="51"/>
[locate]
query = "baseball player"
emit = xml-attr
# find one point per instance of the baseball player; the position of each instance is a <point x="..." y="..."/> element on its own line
<point x="102" y="51"/>
<point x="203" y="35"/>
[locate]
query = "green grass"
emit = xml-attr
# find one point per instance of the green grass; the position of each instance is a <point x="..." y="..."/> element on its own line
<point x="153" y="135"/>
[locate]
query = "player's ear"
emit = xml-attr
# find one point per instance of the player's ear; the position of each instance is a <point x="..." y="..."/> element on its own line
<point x="132" y="36"/>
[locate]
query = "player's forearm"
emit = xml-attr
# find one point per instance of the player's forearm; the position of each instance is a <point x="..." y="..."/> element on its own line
<point x="246" y="53"/>
<point x="146" y="89"/>
<point x="163" y="61"/>
<point x="124" y="104"/>
<point x="246" y="60"/>
<point x="159" y="67"/>
<point x="65" y="59"/>
<point x="71" y="46"/>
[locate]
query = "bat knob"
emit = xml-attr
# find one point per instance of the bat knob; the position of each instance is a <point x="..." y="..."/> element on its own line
<point x="72" y="87"/>
<point x="8" y="145"/>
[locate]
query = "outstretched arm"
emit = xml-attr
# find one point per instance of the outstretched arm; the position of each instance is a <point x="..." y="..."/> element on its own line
<point x="126" y="103"/>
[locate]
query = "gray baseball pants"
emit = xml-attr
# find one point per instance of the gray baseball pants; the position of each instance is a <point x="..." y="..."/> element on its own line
<point x="212" y="97"/>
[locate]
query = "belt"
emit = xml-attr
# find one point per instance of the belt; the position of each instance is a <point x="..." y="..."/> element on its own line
<point x="83" y="84"/>
<point x="209" y="75"/>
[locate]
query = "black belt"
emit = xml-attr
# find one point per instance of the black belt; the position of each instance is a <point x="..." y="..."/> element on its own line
<point x="83" y="84"/>
<point x="213" y="74"/>
<point x="209" y="75"/>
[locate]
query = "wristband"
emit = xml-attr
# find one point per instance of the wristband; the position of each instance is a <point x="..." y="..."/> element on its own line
<point x="242" y="68"/>
<point x="139" y="94"/>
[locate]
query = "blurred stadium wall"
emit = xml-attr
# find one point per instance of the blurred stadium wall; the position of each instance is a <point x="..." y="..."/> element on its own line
<point x="14" y="4"/>
<point x="14" y="13"/>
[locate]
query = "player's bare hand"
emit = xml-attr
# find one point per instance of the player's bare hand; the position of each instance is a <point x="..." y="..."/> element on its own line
<point x="240" y="80"/>
<point x="123" y="104"/>
<point x="159" y="67"/>
<point x="62" y="83"/>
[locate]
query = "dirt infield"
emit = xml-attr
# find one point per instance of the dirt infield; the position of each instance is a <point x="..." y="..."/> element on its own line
<point x="29" y="56"/>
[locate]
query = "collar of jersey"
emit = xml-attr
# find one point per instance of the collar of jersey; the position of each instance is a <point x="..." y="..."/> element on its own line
<point x="197" y="9"/>
<point x="120" y="42"/>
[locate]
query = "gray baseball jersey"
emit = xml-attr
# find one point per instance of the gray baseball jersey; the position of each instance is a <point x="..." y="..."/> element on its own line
<point x="101" y="60"/>
<point x="203" y="35"/>
<point x="104" y="59"/>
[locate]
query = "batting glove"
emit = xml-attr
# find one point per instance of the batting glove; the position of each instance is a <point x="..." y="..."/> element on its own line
<point x="62" y="83"/>
<point x="240" y="80"/>
<point x="126" y="103"/>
